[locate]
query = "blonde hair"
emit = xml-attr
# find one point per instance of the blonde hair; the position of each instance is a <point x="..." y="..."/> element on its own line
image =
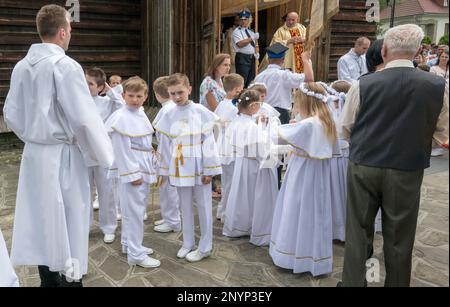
<point x="315" y="107"/>
<point x="115" y="77"/>
<point x="177" y="79"/>
<point x="232" y="81"/>
<point x="161" y="87"/>
<point x="261" y="89"/>
<point x="341" y="86"/>
<point x="217" y="61"/>
<point x="135" y="84"/>
<point x="50" y="19"/>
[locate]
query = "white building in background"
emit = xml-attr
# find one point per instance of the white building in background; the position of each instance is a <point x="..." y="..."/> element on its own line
<point x="431" y="15"/>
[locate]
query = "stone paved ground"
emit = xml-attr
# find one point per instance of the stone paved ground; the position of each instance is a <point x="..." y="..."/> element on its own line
<point x="236" y="262"/>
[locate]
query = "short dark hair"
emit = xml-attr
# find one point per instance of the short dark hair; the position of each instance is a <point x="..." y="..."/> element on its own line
<point x="373" y="56"/>
<point x="177" y="79"/>
<point x="50" y="19"/>
<point x="98" y="74"/>
<point x="160" y="87"/>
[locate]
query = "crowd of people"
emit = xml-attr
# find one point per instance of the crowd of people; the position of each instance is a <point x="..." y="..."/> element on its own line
<point x="354" y="152"/>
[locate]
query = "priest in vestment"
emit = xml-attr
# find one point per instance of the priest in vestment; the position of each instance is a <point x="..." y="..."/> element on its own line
<point x="293" y="35"/>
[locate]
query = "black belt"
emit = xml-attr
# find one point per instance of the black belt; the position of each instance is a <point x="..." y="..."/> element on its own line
<point x="245" y="55"/>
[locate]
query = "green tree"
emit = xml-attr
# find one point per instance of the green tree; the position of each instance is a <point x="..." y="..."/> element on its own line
<point x="444" y="40"/>
<point x="427" y="40"/>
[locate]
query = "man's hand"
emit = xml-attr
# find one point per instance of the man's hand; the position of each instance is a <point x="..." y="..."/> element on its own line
<point x="106" y="89"/>
<point x="207" y="179"/>
<point x="138" y="182"/>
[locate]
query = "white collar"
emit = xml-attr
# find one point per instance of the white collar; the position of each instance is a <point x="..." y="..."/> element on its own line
<point x="400" y="63"/>
<point x="274" y="66"/>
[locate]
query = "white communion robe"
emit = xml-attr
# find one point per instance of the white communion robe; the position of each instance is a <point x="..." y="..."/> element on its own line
<point x="339" y="169"/>
<point x="168" y="194"/>
<point x="106" y="186"/>
<point x="302" y="225"/>
<point x="8" y="277"/>
<point x="227" y="113"/>
<point x="49" y="107"/>
<point x="254" y="189"/>
<point x="131" y="133"/>
<point x="193" y="154"/>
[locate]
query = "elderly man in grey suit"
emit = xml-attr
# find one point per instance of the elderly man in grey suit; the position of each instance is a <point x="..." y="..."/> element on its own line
<point x="390" y="119"/>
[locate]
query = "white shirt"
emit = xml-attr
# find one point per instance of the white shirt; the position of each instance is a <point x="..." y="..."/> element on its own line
<point x="352" y="66"/>
<point x="109" y="104"/>
<point x="238" y="36"/>
<point x="280" y="84"/>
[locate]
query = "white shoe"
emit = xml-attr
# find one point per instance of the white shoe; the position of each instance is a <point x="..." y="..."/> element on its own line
<point x="438" y="152"/>
<point x="119" y="217"/>
<point x="165" y="228"/>
<point x="197" y="256"/>
<point x="145" y="217"/>
<point x="95" y="204"/>
<point x="149" y="263"/>
<point x="109" y="239"/>
<point x="160" y="222"/>
<point x="183" y="252"/>
<point x="148" y="251"/>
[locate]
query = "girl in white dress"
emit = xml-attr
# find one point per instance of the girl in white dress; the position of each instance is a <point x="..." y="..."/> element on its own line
<point x="227" y="112"/>
<point x="254" y="189"/>
<point x="302" y="228"/>
<point x="8" y="277"/>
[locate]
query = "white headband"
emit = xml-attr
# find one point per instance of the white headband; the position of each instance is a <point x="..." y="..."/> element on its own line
<point x="310" y="93"/>
<point x="255" y="84"/>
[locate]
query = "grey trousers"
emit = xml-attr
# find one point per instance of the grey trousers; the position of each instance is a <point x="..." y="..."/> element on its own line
<point x="397" y="193"/>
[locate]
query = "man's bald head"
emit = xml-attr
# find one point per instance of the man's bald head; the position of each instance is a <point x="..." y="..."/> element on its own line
<point x="362" y="44"/>
<point x="292" y="19"/>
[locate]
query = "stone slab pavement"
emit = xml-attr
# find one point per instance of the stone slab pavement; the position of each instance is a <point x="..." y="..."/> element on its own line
<point x="235" y="262"/>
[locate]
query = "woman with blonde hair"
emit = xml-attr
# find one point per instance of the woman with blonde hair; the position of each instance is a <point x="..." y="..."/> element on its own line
<point x="302" y="227"/>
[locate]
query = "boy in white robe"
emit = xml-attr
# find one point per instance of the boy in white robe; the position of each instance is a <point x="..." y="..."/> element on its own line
<point x="8" y="277"/>
<point x="49" y="108"/>
<point x="98" y="176"/>
<point x="233" y="85"/>
<point x="131" y="133"/>
<point x="194" y="160"/>
<point x="254" y="187"/>
<point x="168" y="194"/>
<point x="302" y="225"/>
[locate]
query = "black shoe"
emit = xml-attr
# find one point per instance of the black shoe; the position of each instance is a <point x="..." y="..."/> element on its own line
<point x="340" y="285"/>
<point x="70" y="284"/>
<point x="49" y="279"/>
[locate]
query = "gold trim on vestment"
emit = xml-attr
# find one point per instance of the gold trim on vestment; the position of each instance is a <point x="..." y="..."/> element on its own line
<point x="301" y="258"/>
<point x="131" y="136"/>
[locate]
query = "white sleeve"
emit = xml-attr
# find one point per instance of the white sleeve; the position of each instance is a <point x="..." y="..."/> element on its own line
<point x="343" y="72"/>
<point x="293" y="80"/>
<point x="116" y="100"/>
<point x="212" y="165"/>
<point x="164" y="150"/>
<point x="129" y="169"/>
<point x="237" y="37"/>
<point x="77" y="104"/>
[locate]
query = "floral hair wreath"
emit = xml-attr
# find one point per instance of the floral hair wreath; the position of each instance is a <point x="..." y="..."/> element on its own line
<point x="323" y="98"/>
<point x="341" y="96"/>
